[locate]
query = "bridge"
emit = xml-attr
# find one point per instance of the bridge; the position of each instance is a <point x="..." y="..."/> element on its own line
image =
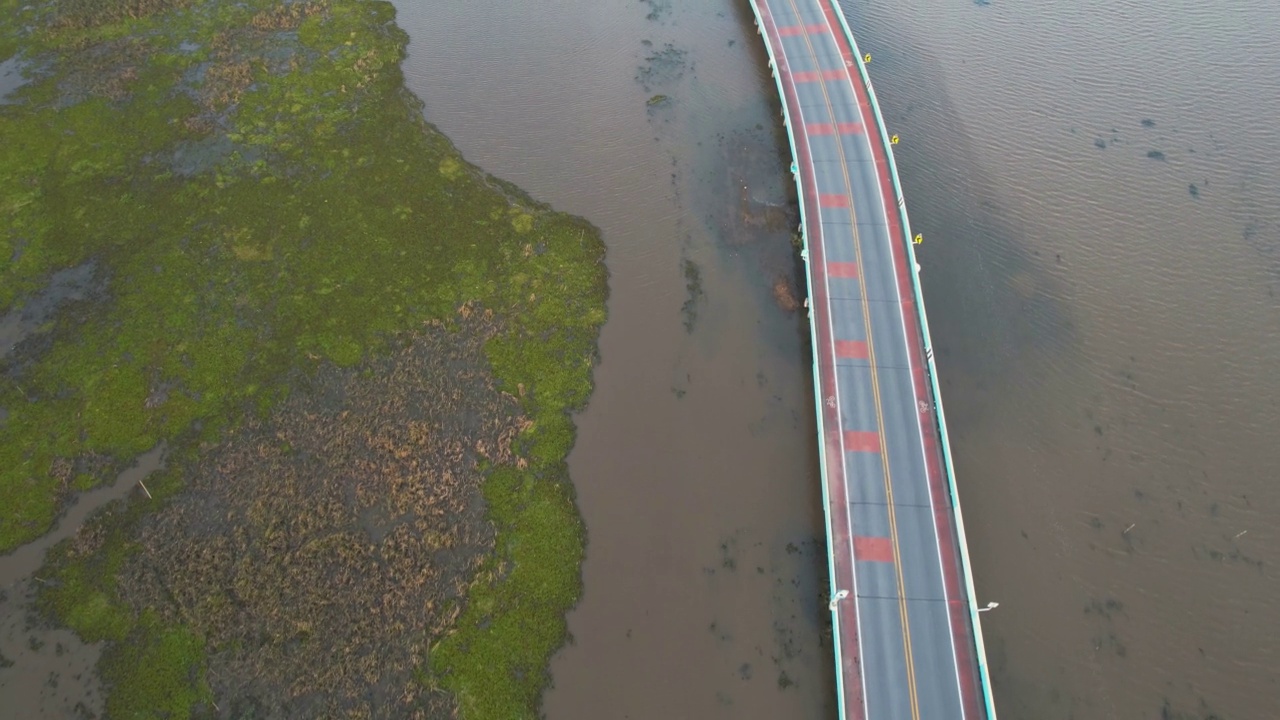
<point x="906" y="629"/>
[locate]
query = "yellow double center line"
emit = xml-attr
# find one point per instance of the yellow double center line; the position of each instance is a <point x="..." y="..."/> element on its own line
<point x="871" y="355"/>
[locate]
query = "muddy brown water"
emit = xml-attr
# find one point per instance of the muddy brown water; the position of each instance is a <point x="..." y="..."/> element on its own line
<point x="46" y="673"/>
<point x="1098" y="184"/>
<point x="696" y="463"/>
<point x="1099" y="188"/>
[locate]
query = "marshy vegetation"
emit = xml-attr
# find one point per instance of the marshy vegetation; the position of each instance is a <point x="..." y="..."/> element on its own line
<point x="361" y="350"/>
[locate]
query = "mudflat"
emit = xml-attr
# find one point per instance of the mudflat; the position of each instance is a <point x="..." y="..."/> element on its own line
<point x="228" y="229"/>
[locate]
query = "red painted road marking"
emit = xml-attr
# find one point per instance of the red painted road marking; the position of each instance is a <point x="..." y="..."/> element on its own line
<point x="847" y="641"/>
<point x="861" y="441"/>
<point x="812" y="75"/>
<point x="856" y="349"/>
<point x="792" y="30"/>
<point x="842" y="269"/>
<point x="844" y="128"/>
<point x="846" y="52"/>
<point x="833" y="200"/>
<point x="842" y="539"/>
<point x="872" y="549"/>
<point x="962" y="631"/>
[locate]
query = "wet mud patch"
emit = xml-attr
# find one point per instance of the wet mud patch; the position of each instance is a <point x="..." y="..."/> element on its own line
<point x="32" y="315"/>
<point x="764" y="217"/>
<point x="318" y="552"/>
<point x="758" y="215"/>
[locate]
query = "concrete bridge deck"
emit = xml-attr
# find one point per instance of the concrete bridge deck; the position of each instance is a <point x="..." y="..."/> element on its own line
<point x="907" y="638"/>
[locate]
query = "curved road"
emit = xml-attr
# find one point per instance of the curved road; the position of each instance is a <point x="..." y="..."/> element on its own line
<point x="908" y="645"/>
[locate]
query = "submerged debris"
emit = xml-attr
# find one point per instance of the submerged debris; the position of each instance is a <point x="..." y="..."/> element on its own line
<point x="663" y="67"/>
<point x="784" y="293"/>
<point x="693" y="286"/>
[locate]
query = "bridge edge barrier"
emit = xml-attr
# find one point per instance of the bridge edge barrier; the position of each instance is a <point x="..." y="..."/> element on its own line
<point x="813" y="343"/>
<point x="935" y="389"/>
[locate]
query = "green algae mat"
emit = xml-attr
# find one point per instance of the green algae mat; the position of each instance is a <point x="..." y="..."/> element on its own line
<point x="226" y="226"/>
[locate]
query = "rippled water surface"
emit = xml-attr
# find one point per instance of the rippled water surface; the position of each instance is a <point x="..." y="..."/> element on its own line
<point x="1098" y="184"/>
<point x="1099" y="188"/>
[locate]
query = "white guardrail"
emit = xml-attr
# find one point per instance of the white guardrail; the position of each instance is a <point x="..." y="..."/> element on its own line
<point x="974" y="618"/>
<point x="923" y="320"/>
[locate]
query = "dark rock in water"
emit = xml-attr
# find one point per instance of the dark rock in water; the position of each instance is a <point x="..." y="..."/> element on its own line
<point x="1100" y="144"/>
<point x="1148" y="123"/>
<point x="1195" y="191"/>
<point x="1156" y="155"/>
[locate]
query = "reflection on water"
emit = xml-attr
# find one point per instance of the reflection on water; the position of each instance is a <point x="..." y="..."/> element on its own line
<point x="1099" y="186"/>
<point x="696" y="461"/>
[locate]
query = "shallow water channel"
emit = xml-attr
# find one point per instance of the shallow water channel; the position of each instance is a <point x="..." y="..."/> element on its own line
<point x="50" y="671"/>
